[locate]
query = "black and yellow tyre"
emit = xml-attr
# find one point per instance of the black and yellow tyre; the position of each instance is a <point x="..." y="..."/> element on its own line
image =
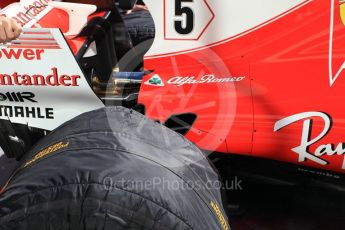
<point x="113" y="168"/>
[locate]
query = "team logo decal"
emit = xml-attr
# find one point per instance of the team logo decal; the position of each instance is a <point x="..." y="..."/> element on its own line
<point x="206" y="79"/>
<point x="303" y="149"/>
<point x="155" y="80"/>
<point x="342" y="10"/>
<point x="18" y="97"/>
<point x="335" y="70"/>
<point x="38" y="76"/>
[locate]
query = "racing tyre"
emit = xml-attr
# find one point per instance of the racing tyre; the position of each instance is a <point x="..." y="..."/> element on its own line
<point x="113" y="168"/>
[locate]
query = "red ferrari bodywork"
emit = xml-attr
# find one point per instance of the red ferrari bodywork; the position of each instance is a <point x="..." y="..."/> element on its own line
<point x="273" y="91"/>
<point x="286" y="64"/>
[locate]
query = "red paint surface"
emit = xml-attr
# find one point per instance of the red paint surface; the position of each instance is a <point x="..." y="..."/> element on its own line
<point x="286" y="67"/>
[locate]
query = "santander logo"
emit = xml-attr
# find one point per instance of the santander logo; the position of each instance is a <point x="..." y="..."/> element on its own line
<point x="28" y="12"/>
